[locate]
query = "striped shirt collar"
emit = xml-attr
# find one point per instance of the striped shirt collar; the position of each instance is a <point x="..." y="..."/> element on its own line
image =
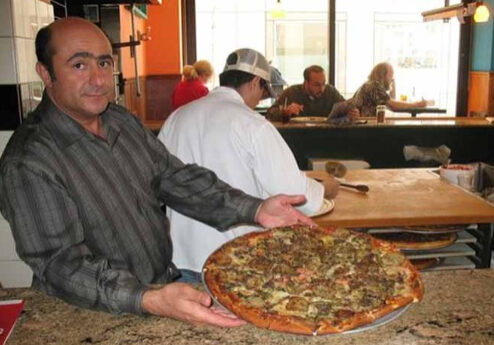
<point x="66" y="131"/>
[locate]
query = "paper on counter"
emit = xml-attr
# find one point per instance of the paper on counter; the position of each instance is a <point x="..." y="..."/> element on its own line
<point x="9" y="313"/>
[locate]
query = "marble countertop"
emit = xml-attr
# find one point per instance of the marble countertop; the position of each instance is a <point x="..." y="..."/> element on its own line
<point x="458" y="308"/>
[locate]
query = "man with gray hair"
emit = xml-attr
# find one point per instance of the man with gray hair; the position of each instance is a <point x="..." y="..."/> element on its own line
<point x="223" y="133"/>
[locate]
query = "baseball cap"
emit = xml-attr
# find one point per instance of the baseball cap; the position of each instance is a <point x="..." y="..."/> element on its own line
<point x="250" y="61"/>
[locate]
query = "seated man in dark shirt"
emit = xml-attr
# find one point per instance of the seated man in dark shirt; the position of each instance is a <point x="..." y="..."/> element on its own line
<point x="312" y="98"/>
<point x="82" y="182"/>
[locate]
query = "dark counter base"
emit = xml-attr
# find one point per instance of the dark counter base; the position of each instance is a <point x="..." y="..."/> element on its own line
<point x="382" y="147"/>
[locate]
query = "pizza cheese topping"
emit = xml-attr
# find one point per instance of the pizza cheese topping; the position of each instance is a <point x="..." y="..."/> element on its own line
<point x="311" y="280"/>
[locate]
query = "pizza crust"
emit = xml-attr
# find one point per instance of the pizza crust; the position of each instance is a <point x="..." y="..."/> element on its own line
<point x="292" y="324"/>
<point x="422" y="264"/>
<point x="418" y="241"/>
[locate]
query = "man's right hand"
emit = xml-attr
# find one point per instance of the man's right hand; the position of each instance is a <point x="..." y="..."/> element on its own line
<point x="420" y="104"/>
<point x="182" y="302"/>
<point x="293" y="109"/>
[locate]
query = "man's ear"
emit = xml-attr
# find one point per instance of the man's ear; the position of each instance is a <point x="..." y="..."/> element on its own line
<point x="256" y="81"/>
<point x="44" y="74"/>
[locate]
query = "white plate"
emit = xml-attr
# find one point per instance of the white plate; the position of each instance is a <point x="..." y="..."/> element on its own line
<point x="305" y="119"/>
<point x="326" y="207"/>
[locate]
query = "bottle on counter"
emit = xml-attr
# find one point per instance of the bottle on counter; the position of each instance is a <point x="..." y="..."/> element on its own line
<point x="380" y="112"/>
<point x="285" y="115"/>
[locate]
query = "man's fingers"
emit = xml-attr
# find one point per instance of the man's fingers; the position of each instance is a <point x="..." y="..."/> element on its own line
<point x="223" y="312"/>
<point x="212" y="315"/>
<point x="306" y="220"/>
<point x="209" y="316"/>
<point x="205" y="299"/>
<point x="200" y="297"/>
<point x="295" y="199"/>
<point x="299" y="217"/>
<point x="194" y="295"/>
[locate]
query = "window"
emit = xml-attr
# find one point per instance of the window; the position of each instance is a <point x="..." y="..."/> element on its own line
<point x="292" y="42"/>
<point x="366" y="33"/>
<point x="424" y="55"/>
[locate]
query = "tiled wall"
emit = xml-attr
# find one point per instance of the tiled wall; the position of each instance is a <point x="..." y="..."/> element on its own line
<point x="13" y="272"/>
<point x="20" y="89"/>
<point x="20" y="20"/>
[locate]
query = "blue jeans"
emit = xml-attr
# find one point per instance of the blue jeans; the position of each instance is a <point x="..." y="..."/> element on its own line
<point x="189" y="276"/>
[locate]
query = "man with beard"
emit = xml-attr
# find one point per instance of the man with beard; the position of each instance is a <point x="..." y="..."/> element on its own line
<point x="379" y="90"/>
<point x="312" y="98"/>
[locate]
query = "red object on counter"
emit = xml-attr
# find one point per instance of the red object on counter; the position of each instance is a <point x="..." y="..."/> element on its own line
<point x="9" y="313"/>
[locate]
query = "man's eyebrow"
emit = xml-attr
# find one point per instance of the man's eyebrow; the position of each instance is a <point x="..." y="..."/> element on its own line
<point x="90" y="55"/>
<point x="105" y="57"/>
<point x="79" y="55"/>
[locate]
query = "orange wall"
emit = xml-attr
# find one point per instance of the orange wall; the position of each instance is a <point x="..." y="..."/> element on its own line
<point x="163" y="51"/>
<point x="128" y="68"/>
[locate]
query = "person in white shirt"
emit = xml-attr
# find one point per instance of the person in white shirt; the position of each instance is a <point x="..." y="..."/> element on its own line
<point x="223" y="133"/>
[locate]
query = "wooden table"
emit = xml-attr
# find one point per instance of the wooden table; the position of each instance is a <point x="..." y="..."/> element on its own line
<point x="399" y="197"/>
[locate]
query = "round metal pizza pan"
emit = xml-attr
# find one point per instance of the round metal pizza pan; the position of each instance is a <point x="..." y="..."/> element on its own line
<point x="426" y="245"/>
<point x="213" y="297"/>
<point x="379" y="322"/>
<point x="308" y="119"/>
<point x="435" y="229"/>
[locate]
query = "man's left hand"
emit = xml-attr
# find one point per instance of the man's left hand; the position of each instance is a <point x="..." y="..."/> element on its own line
<point x="353" y="113"/>
<point x="278" y="210"/>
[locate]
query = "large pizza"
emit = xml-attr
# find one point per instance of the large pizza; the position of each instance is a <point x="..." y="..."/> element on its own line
<point x="311" y="280"/>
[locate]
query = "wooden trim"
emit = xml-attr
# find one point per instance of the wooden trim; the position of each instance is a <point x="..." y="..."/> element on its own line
<point x="136" y="104"/>
<point x="183" y="10"/>
<point x="490" y="105"/>
<point x="158" y="97"/>
<point x="164" y="76"/>
<point x="464" y="58"/>
<point x="481" y="95"/>
<point x="332" y="41"/>
<point x="189" y="44"/>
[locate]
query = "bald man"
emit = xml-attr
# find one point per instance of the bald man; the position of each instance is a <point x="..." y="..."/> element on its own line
<point x="82" y="183"/>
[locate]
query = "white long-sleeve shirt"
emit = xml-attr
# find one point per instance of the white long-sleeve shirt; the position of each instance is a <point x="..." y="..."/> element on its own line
<point x="221" y="133"/>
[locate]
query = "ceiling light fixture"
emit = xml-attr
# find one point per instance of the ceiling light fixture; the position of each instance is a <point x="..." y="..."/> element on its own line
<point x="278" y="12"/>
<point x="459" y="11"/>
<point x="481" y="14"/>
